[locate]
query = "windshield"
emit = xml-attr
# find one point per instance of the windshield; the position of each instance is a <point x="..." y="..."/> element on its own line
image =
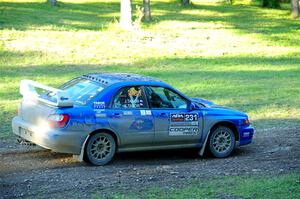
<point x="80" y="90"/>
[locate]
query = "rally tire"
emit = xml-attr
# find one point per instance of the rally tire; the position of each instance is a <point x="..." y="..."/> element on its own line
<point x="221" y="142"/>
<point x="100" y="149"/>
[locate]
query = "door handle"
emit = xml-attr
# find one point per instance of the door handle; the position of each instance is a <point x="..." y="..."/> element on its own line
<point x="163" y="115"/>
<point x="116" y="115"/>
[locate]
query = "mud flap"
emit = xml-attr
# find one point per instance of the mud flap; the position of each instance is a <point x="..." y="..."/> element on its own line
<point x="79" y="157"/>
<point x="237" y="144"/>
<point x="202" y="150"/>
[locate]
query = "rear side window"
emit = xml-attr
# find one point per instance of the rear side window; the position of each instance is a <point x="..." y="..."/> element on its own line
<point x="81" y="90"/>
<point x="130" y="97"/>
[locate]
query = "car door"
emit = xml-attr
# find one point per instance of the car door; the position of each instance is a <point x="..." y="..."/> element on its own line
<point x="174" y="123"/>
<point x="130" y="116"/>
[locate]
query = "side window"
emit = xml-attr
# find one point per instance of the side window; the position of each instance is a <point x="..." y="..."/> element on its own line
<point x="160" y="97"/>
<point x="130" y="97"/>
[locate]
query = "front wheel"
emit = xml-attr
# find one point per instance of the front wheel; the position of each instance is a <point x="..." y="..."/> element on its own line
<point x="100" y="149"/>
<point x="221" y="142"/>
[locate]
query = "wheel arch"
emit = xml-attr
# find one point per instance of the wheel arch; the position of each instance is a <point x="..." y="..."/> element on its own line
<point x="81" y="157"/>
<point x="228" y="124"/>
<point x="108" y="131"/>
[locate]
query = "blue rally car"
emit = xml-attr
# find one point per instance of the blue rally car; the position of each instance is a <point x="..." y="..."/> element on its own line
<point x="96" y="115"/>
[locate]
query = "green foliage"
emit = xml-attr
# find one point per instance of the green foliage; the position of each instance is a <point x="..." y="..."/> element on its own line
<point x="271" y="3"/>
<point x="243" y="57"/>
<point x="285" y="1"/>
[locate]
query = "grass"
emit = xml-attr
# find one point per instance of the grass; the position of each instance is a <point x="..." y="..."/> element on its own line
<point x="240" y="56"/>
<point x="282" y="186"/>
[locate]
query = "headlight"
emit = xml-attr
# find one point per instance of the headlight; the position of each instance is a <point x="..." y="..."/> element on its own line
<point x="246" y="122"/>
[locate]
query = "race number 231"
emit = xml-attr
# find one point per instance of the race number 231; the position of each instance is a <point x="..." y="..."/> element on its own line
<point x="191" y="117"/>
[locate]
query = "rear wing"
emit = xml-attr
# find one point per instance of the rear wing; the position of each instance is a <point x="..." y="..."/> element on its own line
<point x="28" y="90"/>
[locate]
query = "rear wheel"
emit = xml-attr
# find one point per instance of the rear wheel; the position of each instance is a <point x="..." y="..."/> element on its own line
<point x="221" y="142"/>
<point x="100" y="149"/>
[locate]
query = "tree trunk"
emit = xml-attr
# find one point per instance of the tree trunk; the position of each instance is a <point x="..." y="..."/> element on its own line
<point x="295" y="8"/>
<point x="147" y="11"/>
<point x="185" y="2"/>
<point x="126" y="15"/>
<point x="52" y="2"/>
<point x="265" y="3"/>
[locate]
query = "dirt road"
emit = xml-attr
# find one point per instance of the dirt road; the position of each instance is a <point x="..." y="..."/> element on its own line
<point x="35" y="172"/>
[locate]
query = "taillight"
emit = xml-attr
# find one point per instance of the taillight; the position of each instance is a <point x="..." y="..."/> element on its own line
<point x="58" y="120"/>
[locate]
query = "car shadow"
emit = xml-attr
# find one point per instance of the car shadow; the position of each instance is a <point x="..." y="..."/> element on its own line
<point x="175" y="156"/>
<point x="39" y="159"/>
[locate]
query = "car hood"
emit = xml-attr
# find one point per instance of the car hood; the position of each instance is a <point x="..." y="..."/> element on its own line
<point x="221" y="109"/>
<point x="205" y="102"/>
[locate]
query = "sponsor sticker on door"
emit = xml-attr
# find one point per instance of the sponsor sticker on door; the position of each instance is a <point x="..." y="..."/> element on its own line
<point x="183" y="130"/>
<point x="183" y="124"/>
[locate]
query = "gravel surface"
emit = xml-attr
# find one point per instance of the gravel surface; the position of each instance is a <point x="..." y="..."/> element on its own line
<point x="34" y="172"/>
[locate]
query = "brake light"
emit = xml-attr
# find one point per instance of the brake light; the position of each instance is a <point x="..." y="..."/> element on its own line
<point x="246" y="122"/>
<point x="58" y="120"/>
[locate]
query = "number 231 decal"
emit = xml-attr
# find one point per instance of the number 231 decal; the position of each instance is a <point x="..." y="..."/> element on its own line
<point x="184" y="117"/>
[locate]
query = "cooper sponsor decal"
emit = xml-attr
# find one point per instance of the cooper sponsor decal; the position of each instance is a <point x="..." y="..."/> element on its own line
<point x="183" y="130"/>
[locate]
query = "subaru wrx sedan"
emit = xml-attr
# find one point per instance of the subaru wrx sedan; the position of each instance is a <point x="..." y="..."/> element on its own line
<point x="96" y="115"/>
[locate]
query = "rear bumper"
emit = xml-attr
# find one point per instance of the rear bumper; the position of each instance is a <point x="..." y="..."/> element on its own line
<point x="246" y="135"/>
<point x="61" y="141"/>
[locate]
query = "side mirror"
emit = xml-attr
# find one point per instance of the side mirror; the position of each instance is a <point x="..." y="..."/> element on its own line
<point x="192" y="106"/>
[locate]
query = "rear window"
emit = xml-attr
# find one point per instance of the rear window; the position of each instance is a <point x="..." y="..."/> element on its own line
<point x="80" y="90"/>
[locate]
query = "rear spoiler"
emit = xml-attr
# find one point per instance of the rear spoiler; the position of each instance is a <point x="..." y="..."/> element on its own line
<point x="27" y="89"/>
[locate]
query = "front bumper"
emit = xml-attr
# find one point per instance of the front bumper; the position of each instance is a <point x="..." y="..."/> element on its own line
<point x="246" y="135"/>
<point x="58" y="140"/>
